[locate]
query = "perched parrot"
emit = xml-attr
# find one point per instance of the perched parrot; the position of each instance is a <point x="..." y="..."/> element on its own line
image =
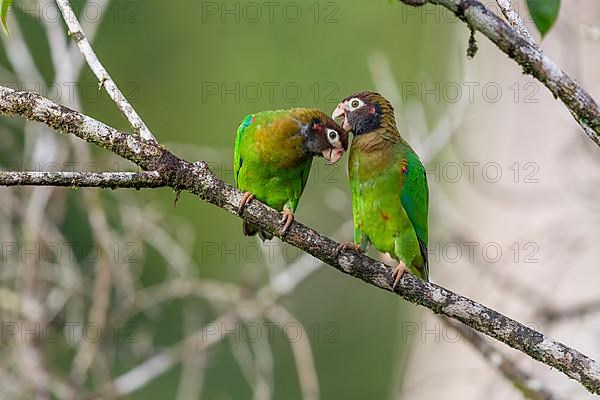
<point x="273" y="156"/>
<point x="390" y="197"/>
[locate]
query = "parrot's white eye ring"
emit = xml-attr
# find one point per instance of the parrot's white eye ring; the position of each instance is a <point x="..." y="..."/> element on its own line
<point x="355" y="103"/>
<point x="332" y="136"/>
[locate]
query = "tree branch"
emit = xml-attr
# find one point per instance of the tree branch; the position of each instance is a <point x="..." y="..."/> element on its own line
<point x="112" y="180"/>
<point x="77" y="34"/>
<point x="198" y="179"/>
<point x="515" y="21"/>
<point x="531" y="58"/>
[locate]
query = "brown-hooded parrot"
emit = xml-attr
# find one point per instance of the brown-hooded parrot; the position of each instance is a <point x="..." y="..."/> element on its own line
<point x="273" y="156"/>
<point x="390" y="197"/>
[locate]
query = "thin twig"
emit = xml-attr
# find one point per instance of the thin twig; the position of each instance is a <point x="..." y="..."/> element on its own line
<point x="77" y="34"/>
<point x="515" y="21"/>
<point x="305" y="364"/>
<point x="112" y="180"/>
<point x="156" y="365"/>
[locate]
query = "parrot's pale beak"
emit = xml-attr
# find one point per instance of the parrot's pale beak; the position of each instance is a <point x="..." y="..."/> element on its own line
<point x="340" y="111"/>
<point x="333" y="155"/>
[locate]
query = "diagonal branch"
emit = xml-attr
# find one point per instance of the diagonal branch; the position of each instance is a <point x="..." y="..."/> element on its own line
<point x="77" y="34"/>
<point x="112" y="180"/>
<point x="532" y="59"/>
<point x="198" y="179"/>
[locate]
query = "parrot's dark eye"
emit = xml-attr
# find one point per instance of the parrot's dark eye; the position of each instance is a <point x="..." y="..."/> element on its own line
<point x="355" y="103"/>
<point x="332" y="136"/>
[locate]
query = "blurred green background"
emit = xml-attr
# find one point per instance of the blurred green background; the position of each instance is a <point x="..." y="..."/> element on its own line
<point x="193" y="73"/>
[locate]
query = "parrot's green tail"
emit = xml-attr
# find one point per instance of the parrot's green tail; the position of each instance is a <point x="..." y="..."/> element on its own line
<point x="251" y="230"/>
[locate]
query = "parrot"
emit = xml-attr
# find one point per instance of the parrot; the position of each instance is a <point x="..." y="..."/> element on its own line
<point x="273" y="155"/>
<point x="388" y="182"/>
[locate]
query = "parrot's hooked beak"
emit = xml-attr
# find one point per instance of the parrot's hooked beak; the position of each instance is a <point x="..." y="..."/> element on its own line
<point x="333" y="155"/>
<point x="340" y="111"/>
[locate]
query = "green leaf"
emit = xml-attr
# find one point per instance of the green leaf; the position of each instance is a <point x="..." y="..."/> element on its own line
<point x="4" y="12"/>
<point x="544" y="13"/>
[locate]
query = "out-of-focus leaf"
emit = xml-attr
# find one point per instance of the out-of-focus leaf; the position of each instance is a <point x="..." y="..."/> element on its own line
<point x="4" y="12"/>
<point x="544" y="13"/>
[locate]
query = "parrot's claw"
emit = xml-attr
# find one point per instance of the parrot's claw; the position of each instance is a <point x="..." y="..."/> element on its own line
<point x="287" y="216"/>
<point x="246" y="198"/>
<point x="398" y="272"/>
<point x="348" y="246"/>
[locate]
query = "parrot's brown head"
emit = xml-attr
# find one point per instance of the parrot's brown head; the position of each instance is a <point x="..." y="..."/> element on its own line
<point x="365" y="112"/>
<point x="325" y="138"/>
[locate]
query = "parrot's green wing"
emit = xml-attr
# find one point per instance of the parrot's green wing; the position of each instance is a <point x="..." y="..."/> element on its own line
<point x="269" y="159"/>
<point x="415" y="200"/>
<point x="305" y="175"/>
<point x="237" y="158"/>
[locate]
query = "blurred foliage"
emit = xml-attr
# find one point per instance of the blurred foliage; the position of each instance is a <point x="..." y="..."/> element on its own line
<point x="4" y="4"/>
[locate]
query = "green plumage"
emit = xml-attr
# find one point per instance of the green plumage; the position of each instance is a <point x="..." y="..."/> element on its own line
<point x="270" y="159"/>
<point x="389" y="202"/>
<point x="390" y="197"/>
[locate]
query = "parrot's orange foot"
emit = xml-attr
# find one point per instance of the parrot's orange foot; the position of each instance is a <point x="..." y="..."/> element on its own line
<point x="398" y="272"/>
<point x="348" y="246"/>
<point x="287" y="216"/>
<point x="247" y="198"/>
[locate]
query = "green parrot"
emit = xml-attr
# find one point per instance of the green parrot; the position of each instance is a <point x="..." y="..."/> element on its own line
<point x="273" y="156"/>
<point x="390" y="197"/>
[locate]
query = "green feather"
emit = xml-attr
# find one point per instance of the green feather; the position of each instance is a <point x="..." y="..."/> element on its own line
<point x="390" y="200"/>
<point x="269" y="160"/>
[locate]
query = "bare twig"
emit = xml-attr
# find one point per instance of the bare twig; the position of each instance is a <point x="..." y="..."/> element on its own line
<point x="198" y="179"/>
<point x="515" y="20"/>
<point x="77" y="34"/>
<point x="158" y="364"/>
<point x="305" y="365"/>
<point x="193" y="370"/>
<point x="112" y="180"/>
<point x="478" y="17"/>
